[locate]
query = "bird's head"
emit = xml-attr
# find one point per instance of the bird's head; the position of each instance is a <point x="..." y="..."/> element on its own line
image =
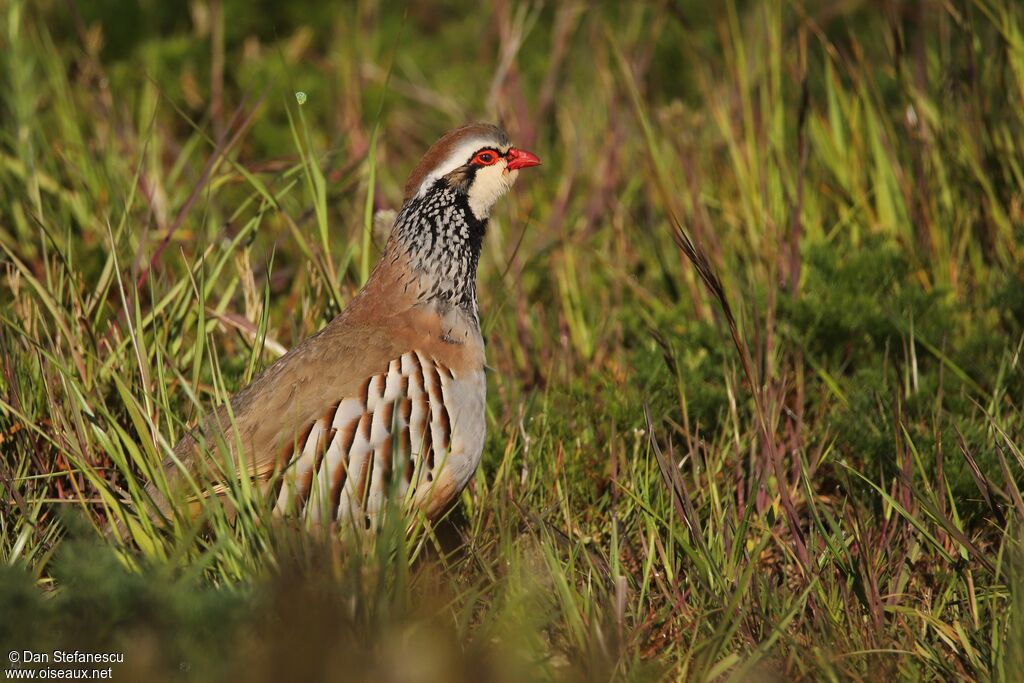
<point x="475" y="160"/>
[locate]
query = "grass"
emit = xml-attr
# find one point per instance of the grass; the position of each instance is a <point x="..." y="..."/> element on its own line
<point x="799" y="460"/>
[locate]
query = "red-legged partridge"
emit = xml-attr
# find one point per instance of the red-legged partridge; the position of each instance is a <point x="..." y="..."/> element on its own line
<point x="394" y="386"/>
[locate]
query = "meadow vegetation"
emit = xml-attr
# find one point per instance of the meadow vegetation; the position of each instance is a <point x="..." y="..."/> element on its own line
<point x="756" y="407"/>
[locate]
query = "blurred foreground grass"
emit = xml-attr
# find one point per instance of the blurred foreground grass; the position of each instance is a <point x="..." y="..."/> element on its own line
<point x="171" y="219"/>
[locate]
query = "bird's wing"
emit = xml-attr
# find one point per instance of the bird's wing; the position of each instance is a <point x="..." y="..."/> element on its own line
<point x="269" y="416"/>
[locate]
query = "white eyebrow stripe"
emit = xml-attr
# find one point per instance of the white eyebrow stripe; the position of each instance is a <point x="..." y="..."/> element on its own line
<point x="459" y="156"/>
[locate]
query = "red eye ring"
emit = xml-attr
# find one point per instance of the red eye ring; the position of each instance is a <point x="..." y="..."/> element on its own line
<point x="486" y="157"/>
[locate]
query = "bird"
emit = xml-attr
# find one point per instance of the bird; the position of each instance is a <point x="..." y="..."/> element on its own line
<point x="390" y="395"/>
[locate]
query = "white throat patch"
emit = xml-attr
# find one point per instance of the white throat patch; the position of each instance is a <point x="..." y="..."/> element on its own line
<point x="490" y="183"/>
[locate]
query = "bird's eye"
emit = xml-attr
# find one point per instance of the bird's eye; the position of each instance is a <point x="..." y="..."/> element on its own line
<point x="485" y="158"/>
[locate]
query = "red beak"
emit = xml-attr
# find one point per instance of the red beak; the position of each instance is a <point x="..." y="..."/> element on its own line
<point x="520" y="158"/>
